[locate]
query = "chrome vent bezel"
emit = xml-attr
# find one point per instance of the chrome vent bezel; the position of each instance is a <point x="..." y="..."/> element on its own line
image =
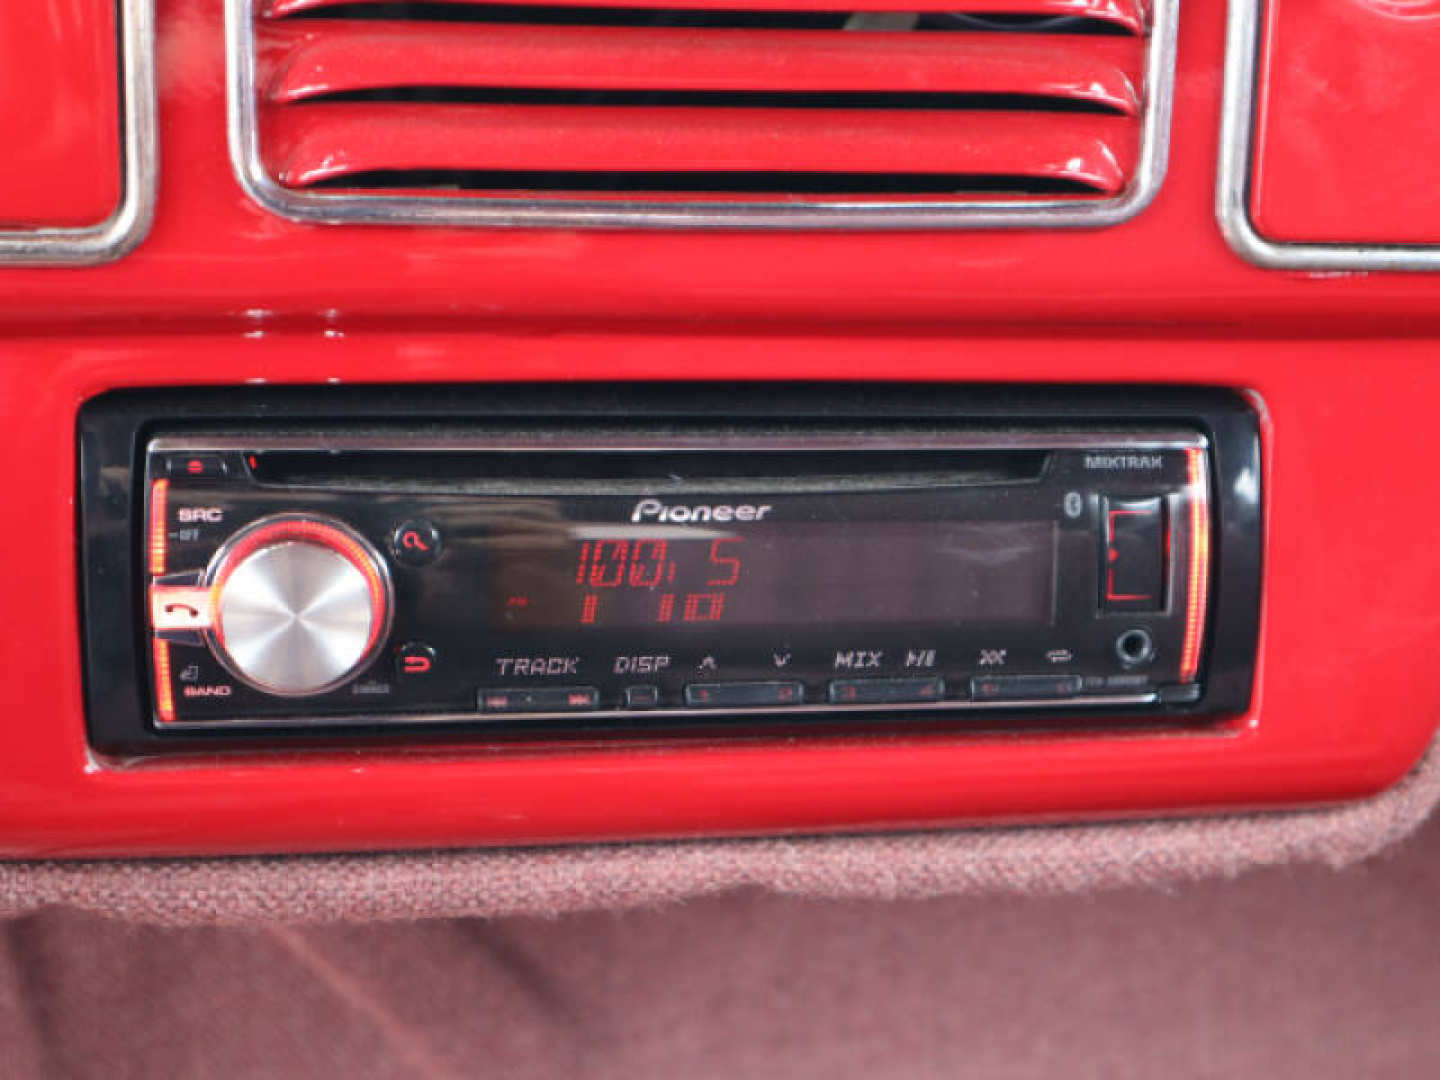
<point x="122" y="231"/>
<point x="489" y="211"/>
<point x="1237" y="161"/>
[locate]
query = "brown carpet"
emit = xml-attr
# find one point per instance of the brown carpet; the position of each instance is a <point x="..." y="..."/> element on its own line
<point x="1033" y="861"/>
<point x="1286" y="972"/>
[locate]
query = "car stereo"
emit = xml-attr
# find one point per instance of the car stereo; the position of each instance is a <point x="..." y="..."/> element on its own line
<point x="517" y="569"/>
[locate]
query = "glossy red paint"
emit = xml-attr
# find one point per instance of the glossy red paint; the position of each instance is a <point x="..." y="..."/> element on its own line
<point x="1128" y="13"/>
<point x="59" y="113"/>
<point x="1347" y="698"/>
<point x="223" y="293"/>
<point x="307" y="140"/>
<point x="1098" y="151"/>
<point x="301" y="61"/>
<point x="1347" y="128"/>
<point x="216" y="258"/>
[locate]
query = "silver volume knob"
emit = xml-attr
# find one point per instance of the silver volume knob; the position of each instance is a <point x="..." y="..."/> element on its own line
<point x="301" y="604"/>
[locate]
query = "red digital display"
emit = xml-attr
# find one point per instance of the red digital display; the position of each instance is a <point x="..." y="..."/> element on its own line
<point x="647" y="565"/>
<point x="773" y="574"/>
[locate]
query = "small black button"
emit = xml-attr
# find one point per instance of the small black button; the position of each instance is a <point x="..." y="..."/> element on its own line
<point x="196" y="467"/>
<point x="642" y="697"/>
<point x="884" y="691"/>
<point x="416" y="542"/>
<point x="539" y="699"/>
<point x="735" y="695"/>
<point x="181" y="637"/>
<point x="1024" y="687"/>
<point x="414" y="660"/>
<point x="1181" y="695"/>
<point x="1132" y="577"/>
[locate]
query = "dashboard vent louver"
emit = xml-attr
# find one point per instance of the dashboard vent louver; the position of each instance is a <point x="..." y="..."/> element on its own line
<point x="702" y="112"/>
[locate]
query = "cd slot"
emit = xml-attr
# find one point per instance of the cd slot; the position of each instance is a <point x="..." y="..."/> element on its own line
<point x="538" y="469"/>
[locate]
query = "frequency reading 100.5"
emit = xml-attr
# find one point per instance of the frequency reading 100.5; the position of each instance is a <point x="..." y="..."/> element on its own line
<point x="647" y="565"/>
<point x="782" y="573"/>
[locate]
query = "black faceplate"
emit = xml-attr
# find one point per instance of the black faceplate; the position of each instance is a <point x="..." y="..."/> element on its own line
<point x="115" y="429"/>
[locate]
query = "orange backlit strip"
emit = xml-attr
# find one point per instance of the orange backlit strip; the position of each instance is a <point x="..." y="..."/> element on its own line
<point x="1198" y="579"/>
<point x="164" y="696"/>
<point x="159" y="492"/>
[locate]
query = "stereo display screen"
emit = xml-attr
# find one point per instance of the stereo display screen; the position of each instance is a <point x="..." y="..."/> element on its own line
<point x="765" y="573"/>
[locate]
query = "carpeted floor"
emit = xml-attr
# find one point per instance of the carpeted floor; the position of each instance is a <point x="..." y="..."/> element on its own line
<point x="1283" y="973"/>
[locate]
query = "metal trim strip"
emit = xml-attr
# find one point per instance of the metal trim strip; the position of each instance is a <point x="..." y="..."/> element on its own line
<point x="123" y="230"/>
<point x="1237" y="159"/>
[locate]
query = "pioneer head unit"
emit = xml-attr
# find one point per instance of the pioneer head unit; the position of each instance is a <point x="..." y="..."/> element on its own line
<point x="502" y="563"/>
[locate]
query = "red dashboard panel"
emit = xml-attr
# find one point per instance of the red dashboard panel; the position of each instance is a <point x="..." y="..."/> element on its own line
<point x="217" y="258"/>
<point x="223" y="293"/>
<point x="1346" y="125"/>
<point x="59" y="122"/>
<point x="1345" y="704"/>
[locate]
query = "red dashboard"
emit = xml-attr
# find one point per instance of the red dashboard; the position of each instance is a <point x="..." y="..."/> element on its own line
<point x="1339" y="368"/>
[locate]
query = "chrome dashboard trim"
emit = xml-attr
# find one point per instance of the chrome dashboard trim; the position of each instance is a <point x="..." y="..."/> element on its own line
<point x="350" y="209"/>
<point x="1237" y="158"/>
<point x="123" y="230"/>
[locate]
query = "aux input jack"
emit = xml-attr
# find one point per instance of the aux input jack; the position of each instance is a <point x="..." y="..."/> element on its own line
<point x="1135" y="647"/>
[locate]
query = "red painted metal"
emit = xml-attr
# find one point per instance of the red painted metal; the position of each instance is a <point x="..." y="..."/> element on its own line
<point x="59" y="116"/>
<point x="1348" y="128"/>
<point x="214" y="256"/>
<point x="1347" y="699"/>
<point x="308" y="144"/>
<point x="224" y="293"/>
<point x="1127" y="13"/>
<point x="305" y="60"/>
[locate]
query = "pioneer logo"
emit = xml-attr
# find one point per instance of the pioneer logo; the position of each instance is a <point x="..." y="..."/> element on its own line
<point x="655" y="510"/>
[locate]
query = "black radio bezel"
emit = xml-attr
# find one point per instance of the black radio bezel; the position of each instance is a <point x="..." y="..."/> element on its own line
<point x="115" y="428"/>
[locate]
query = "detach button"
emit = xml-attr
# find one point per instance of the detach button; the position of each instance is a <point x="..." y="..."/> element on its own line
<point x="1132" y="574"/>
<point x="1024" y="687"/>
<point x="539" y="699"/>
<point x="884" y="691"/>
<point x="196" y="467"/>
<point x="172" y="617"/>
<point x="744" y="695"/>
